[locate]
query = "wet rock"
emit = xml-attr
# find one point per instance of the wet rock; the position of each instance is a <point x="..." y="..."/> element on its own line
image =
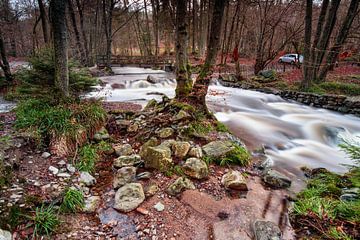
<point x="196" y="168"/>
<point x="53" y="170"/>
<point x="195" y="152"/>
<point x="151" y="143"/>
<point x="87" y="179"/>
<point x="266" y="230"/>
<point x="159" y="207"/>
<point x="123" y="149"/>
<point x="179" y="185"/>
<point x="234" y="180"/>
<point x="102" y="134"/>
<point x="180" y="149"/>
<point x="158" y="158"/>
<point x="151" y="190"/>
<point x="165" y="132"/>
<point x="143" y="175"/>
<point x="126" y="161"/>
<point x="218" y="148"/>
<point x="5" y="235"/>
<point x="276" y="179"/>
<point x="124" y="175"/>
<point x="129" y="197"/>
<point x="349" y="197"/>
<point x="181" y="115"/>
<point x="91" y="204"/>
<point x="151" y="79"/>
<point x="45" y="155"/>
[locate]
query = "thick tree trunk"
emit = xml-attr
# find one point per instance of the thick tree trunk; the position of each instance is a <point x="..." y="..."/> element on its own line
<point x="43" y="21"/>
<point x="79" y="46"/>
<point x="340" y="39"/>
<point x="155" y="16"/>
<point x="58" y="22"/>
<point x="199" y="91"/>
<point x="305" y="84"/>
<point x="83" y="33"/>
<point x="4" y="63"/>
<point x="184" y="83"/>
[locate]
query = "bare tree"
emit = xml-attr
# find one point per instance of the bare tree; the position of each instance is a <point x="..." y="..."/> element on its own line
<point x="4" y="63"/>
<point x="307" y="45"/>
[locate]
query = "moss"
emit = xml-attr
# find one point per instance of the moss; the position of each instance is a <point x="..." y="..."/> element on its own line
<point x="239" y="156"/>
<point x="220" y="127"/>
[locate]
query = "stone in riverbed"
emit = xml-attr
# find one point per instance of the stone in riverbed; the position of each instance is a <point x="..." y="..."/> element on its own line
<point x="180" y="149"/>
<point x="5" y="235"/>
<point x="266" y="230"/>
<point x="124" y="175"/>
<point x="125" y="161"/>
<point x="158" y="158"/>
<point x="123" y="149"/>
<point x="276" y="179"/>
<point x="218" y="148"/>
<point x="151" y="143"/>
<point x="87" y="179"/>
<point x="102" y="134"/>
<point x="151" y="190"/>
<point x="195" y="152"/>
<point x="179" y="185"/>
<point x="129" y="197"/>
<point x="234" y="180"/>
<point x="165" y="132"/>
<point x="196" y="168"/>
<point x="91" y="204"/>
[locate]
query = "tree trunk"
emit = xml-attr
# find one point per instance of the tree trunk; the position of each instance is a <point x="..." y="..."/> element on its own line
<point x="108" y="7"/>
<point x="83" y="33"/>
<point x="155" y="8"/>
<point x="43" y="21"/>
<point x="4" y="63"/>
<point x="224" y="37"/>
<point x="340" y="39"/>
<point x="184" y="83"/>
<point x="199" y="91"/>
<point x="58" y="22"/>
<point x="305" y="84"/>
<point x="80" y="48"/>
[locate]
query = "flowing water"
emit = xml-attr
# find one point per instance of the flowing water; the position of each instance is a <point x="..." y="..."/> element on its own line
<point x="292" y="134"/>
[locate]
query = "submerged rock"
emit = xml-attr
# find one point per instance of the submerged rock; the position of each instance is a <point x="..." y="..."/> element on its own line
<point x="218" y="148"/>
<point x="158" y="158"/>
<point x="123" y="149"/>
<point x="196" y="168"/>
<point x="129" y="197"/>
<point x="179" y="185"/>
<point x="165" y="132"/>
<point x="125" y="161"/>
<point x="276" y="179"/>
<point x="124" y="175"/>
<point x="234" y="180"/>
<point x="87" y="179"/>
<point x="91" y="204"/>
<point x="266" y="230"/>
<point x="180" y="149"/>
<point x="5" y="235"/>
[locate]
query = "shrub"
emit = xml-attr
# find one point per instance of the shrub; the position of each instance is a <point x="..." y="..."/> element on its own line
<point x="45" y="220"/>
<point x="87" y="158"/>
<point x="73" y="200"/>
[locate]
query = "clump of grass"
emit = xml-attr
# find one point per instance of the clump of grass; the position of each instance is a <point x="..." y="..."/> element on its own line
<point x="87" y="158"/>
<point x="45" y="220"/>
<point x="220" y="127"/>
<point x="104" y="147"/>
<point x="336" y="234"/>
<point x="238" y="156"/>
<point x="73" y="200"/>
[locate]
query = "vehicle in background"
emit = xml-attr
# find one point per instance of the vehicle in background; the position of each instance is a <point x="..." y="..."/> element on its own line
<point x="291" y="58"/>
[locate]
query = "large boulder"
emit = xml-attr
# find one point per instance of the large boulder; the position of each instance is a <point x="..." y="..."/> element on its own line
<point x="125" y="161"/>
<point x="158" y="157"/>
<point x="196" y="168"/>
<point x="129" y="197"/>
<point x="266" y="230"/>
<point x="276" y="179"/>
<point x="165" y="132"/>
<point x="218" y="148"/>
<point x="234" y="180"/>
<point x="124" y="175"/>
<point x="180" y="149"/>
<point x="179" y="185"/>
<point x="123" y="149"/>
<point x="5" y="235"/>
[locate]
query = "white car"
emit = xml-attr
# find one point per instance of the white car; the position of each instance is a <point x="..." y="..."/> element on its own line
<point x="291" y="58"/>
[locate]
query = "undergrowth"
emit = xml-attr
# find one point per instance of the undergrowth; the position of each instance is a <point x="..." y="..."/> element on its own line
<point x="350" y="89"/>
<point x="73" y="201"/>
<point x="239" y="156"/>
<point x="88" y="156"/>
<point x="45" y="220"/>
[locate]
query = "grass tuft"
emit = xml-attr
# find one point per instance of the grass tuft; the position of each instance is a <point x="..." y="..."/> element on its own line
<point x="87" y="158"/>
<point x="45" y="220"/>
<point x="73" y="201"/>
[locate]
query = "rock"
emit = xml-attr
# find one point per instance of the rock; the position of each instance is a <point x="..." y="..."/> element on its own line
<point x="53" y="170"/>
<point x="143" y="175"/>
<point x="234" y="180"/>
<point x="123" y="124"/>
<point x="123" y="149"/>
<point x="165" y="132"/>
<point x="45" y="155"/>
<point x="124" y="175"/>
<point x="5" y="235"/>
<point x="102" y="134"/>
<point x="276" y="180"/>
<point x="87" y="179"/>
<point x="349" y="197"/>
<point x="158" y="158"/>
<point x="218" y="148"/>
<point x="91" y="204"/>
<point x="180" y="149"/>
<point x="143" y="211"/>
<point x="159" y="207"/>
<point x="195" y="152"/>
<point x="151" y="190"/>
<point x="181" y="115"/>
<point x="129" y="197"/>
<point x="61" y="163"/>
<point x="63" y="175"/>
<point x="70" y="168"/>
<point x="266" y="230"/>
<point x="151" y="79"/>
<point x="179" y="185"/>
<point x="125" y="161"/>
<point x="196" y="168"/>
<point x="133" y="128"/>
<point x="151" y="143"/>
<point x="168" y="143"/>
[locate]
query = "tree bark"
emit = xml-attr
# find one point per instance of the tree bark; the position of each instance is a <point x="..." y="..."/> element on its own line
<point x="58" y="23"/>
<point x="108" y="8"/>
<point x="4" y="63"/>
<point x="43" y="21"/>
<point x="184" y="83"/>
<point x="305" y="84"/>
